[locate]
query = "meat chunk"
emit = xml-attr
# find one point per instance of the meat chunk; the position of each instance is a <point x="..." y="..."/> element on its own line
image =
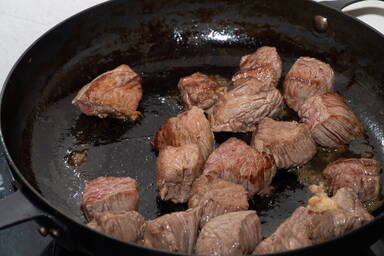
<point x="177" y="168"/>
<point x="174" y="232"/>
<point x="231" y="234"/>
<point x="264" y="64"/>
<point x="243" y="107"/>
<point x="331" y="121"/>
<point x="126" y="226"/>
<point x="308" y="77"/>
<point x="254" y="96"/>
<point x="361" y="175"/>
<point x="105" y="194"/>
<point x="324" y="218"/>
<point x="200" y="90"/>
<point x="216" y="197"/>
<point x="188" y="127"/>
<point x="290" y="143"/>
<point x="236" y="162"/>
<point x="115" y="93"/>
<point x="347" y="210"/>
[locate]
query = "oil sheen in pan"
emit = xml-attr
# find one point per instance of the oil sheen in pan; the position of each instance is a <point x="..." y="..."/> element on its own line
<point x="119" y="148"/>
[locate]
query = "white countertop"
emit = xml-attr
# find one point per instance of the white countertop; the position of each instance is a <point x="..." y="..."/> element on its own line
<point x="23" y="21"/>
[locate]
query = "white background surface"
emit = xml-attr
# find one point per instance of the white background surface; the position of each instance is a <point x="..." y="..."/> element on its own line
<point x="23" y="21"/>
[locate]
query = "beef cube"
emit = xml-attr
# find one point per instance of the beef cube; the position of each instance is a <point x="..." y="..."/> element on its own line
<point x="347" y="200"/>
<point x="254" y="96"/>
<point x="216" y="197"/>
<point x="177" y="168"/>
<point x="174" y="232"/>
<point x="361" y="175"/>
<point x="331" y="121"/>
<point x="105" y="194"/>
<point x="115" y="93"/>
<point x="290" y="143"/>
<point x="308" y="77"/>
<point x="200" y="90"/>
<point x="188" y="127"/>
<point x="231" y="234"/>
<point x="126" y="226"/>
<point x="236" y="162"/>
<point x="298" y="231"/>
<point x="243" y="107"/>
<point x="263" y="65"/>
<point x="324" y="218"/>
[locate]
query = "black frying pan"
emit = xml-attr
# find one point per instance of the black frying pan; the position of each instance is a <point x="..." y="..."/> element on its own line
<point x="164" y="40"/>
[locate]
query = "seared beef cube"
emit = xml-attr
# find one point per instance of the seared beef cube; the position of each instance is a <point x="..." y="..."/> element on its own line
<point x="261" y="77"/>
<point x="188" y="127"/>
<point x="290" y="143"/>
<point x="106" y="194"/>
<point x="216" y="197"/>
<point x="236" y="162"/>
<point x="308" y="77"/>
<point x="254" y="96"/>
<point x="174" y="232"/>
<point x="361" y="175"/>
<point x="177" y="168"/>
<point x="263" y="65"/>
<point x="347" y="210"/>
<point x="115" y="93"/>
<point x="126" y="226"/>
<point x="242" y="108"/>
<point x="331" y="121"/>
<point x="231" y="234"/>
<point x="324" y="218"/>
<point x="298" y="231"/>
<point x="200" y="90"/>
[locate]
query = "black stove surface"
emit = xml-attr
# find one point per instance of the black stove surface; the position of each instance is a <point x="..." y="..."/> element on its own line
<point x="24" y="239"/>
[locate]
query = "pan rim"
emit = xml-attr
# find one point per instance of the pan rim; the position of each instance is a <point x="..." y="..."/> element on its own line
<point x="20" y="179"/>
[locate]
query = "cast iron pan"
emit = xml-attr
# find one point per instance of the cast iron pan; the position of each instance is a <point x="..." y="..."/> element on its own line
<point x="163" y="41"/>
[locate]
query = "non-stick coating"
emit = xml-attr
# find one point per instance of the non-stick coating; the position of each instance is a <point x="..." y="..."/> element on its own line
<point x="162" y="41"/>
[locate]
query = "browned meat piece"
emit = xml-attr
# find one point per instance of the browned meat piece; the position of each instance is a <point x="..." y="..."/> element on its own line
<point x="242" y="108"/>
<point x="324" y="218"/>
<point x="307" y="77"/>
<point x="231" y="234"/>
<point x="254" y="96"/>
<point x="105" y="194"/>
<point x="331" y="121"/>
<point x="174" y="232"/>
<point x="290" y="143"/>
<point x="200" y="90"/>
<point x="353" y="213"/>
<point x="361" y="175"/>
<point x="126" y="226"/>
<point x="188" y="127"/>
<point x="177" y="168"/>
<point x="263" y="65"/>
<point x="115" y="93"/>
<point x="216" y="197"/>
<point x="236" y="162"/>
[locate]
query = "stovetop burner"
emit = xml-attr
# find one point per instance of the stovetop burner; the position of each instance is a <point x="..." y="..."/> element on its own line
<point x="24" y="239"/>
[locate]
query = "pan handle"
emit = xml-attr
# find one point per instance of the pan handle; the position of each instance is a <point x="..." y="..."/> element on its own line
<point x="339" y="4"/>
<point x="17" y="208"/>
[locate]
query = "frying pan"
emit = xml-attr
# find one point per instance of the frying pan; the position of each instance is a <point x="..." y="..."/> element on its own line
<point x="163" y="40"/>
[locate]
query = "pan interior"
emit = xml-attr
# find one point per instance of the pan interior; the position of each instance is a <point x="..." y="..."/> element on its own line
<point x="119" y="148"/>
<point x="162" y="51"/>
